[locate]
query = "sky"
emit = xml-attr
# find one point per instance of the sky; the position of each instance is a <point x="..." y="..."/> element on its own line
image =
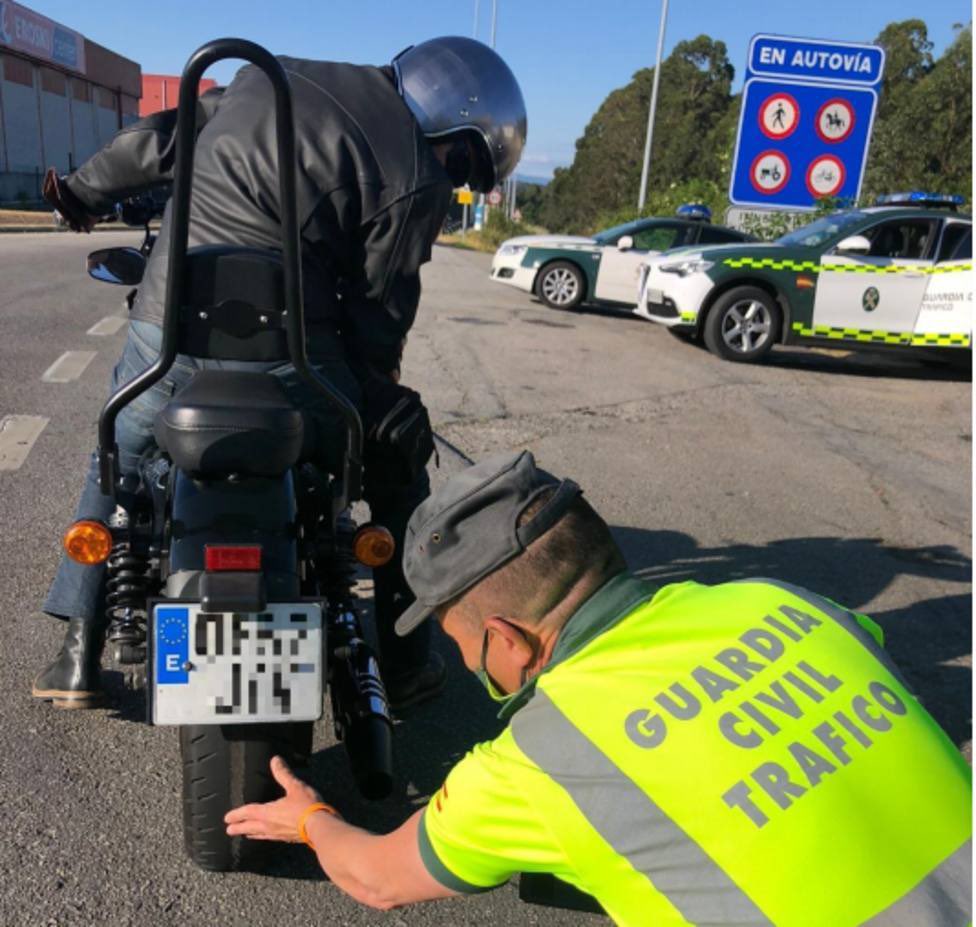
<point x="567" y="54"/>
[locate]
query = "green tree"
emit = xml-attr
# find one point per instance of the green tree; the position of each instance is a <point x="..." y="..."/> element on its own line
<point x="694" y="96"/>
<point x="530" y="200"/>
<point x="922" y="135"/>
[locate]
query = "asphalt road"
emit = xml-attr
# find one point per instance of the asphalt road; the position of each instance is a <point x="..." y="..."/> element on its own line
<point x="848" y="474"/>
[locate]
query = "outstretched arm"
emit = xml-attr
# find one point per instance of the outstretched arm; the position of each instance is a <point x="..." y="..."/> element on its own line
<point x="382" y="871"/>
<point x="139" y="157"/>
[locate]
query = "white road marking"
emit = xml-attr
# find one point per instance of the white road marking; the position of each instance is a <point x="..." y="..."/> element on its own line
<point x="69" y="366"/>
<point x="17" y="436"/>
<point x="107" y="326"/>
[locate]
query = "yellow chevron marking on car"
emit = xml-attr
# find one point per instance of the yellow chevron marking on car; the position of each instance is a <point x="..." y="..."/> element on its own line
<point x="772" y="263"/>
<point x="881" y="337"/>
<point x="813" y="266"/>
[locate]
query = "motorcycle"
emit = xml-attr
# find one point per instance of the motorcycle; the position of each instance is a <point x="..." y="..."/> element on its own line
<point x="231" y="556"/>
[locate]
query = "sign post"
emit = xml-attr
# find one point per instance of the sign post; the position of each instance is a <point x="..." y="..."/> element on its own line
<point x="807" y="111"/>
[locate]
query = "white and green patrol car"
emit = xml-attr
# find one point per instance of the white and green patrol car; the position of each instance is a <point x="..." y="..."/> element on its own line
<point x="564" y="270"/>
<point x="896" y="275"/>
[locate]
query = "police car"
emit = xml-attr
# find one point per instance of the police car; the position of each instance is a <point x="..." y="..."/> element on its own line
<point x="565" y="270"/>
<point x="894" y="275"/>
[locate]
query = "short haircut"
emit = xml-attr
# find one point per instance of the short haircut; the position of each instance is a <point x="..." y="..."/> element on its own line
<point x="532" y="584"/>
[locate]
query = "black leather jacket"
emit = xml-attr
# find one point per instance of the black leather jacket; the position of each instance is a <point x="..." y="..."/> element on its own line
<point x="371" y="195"/>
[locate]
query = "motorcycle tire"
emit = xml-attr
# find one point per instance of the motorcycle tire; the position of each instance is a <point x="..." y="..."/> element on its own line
<point x="225" y="766"/>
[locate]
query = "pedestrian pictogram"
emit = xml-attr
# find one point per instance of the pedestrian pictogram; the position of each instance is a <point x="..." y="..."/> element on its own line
<point x="779" y="115"/>
<point x="770" y="172"/>
<point x="825" y="176"/>
<point x="835" y="120"/>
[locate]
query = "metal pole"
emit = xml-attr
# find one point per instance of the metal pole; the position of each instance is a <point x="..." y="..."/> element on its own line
<point x="494" y="20"/>
<point x="650" y="116"/>
<point x="477" y="5"/>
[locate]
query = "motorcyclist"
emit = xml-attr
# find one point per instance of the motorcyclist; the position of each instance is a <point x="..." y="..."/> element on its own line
<point x="379" y="151"/>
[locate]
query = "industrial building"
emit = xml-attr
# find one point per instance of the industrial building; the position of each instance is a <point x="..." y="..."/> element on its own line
<point x="62" y="97"/>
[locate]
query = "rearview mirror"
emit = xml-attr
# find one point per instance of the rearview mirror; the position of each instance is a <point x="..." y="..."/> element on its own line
<point x="117" y="265"/>
<point x="625" y="243"/>
<point x="854" y="244"/>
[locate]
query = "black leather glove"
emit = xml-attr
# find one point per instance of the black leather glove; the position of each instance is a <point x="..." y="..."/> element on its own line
<point x="69" y="207"/>
<point x="399" y="439"/>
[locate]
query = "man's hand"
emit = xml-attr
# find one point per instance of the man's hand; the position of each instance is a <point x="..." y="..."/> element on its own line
<point x="67" y="205"/>
<point x="275" y="820"/>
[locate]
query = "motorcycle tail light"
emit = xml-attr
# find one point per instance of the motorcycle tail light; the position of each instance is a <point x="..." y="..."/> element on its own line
<point x="88" y="542"/>
<point x="237" y="557"/>
<point x="373" y="546"/>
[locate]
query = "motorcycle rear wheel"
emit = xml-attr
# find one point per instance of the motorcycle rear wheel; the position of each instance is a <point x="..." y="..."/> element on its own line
<point x="225" y="766"/>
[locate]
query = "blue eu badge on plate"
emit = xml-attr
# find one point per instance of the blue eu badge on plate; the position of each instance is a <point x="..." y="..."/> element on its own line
<point x="172" y="644"/>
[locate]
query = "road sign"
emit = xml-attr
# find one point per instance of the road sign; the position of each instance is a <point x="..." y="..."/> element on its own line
<point x="465" y="197"/>
<point x="826" y="176"/>
<point x="835" y="120"/>
<point x="770" y="172"/>
<point x="494" y="198"/>
<point x="779" y="115"/>
<point x="807" y="111"/>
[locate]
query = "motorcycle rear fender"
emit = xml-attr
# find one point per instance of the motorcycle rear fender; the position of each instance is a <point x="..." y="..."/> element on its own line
<point x="240" y="510"/>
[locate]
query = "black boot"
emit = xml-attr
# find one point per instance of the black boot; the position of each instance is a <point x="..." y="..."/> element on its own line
<point x="73" y="680"/>
<point x="406" y="689"/>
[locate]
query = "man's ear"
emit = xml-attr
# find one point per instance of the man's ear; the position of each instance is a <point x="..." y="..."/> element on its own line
<point x="511" y="638"/>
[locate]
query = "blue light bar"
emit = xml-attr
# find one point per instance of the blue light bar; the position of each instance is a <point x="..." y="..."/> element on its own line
<point x="694" y="211"/>
<point x="919" y="198"/>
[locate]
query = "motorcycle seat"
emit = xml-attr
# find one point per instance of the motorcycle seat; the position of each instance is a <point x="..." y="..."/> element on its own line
<point x="231" y="422"/>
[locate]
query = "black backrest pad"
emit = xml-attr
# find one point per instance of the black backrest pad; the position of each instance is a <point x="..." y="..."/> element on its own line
<point x="232" y="304"/>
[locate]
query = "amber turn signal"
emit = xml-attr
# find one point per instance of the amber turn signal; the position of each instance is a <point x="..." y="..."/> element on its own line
<point x="373" y="546"/>
<point x="88" y="542"/>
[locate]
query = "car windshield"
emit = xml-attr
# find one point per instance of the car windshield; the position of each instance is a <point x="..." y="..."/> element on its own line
<point x="818" y="232"/>
<point x="609" y="236"/>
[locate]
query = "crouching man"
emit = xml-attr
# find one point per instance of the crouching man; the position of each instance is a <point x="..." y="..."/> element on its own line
<point x="741" y="754"/>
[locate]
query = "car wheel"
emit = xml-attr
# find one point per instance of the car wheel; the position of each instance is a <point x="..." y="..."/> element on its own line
<point x="742" y="325"/>
<point x="561" y="285"/>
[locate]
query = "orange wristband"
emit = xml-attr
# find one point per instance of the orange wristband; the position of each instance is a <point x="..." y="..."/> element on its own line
<point x="307" y="813"/>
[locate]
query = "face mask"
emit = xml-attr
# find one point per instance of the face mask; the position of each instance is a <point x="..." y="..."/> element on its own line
<point x="494" y="693"/>
<point x="458" y="163"/>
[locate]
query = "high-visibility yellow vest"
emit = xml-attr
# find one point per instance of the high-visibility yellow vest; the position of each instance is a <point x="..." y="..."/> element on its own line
<point x="743" y="754"/>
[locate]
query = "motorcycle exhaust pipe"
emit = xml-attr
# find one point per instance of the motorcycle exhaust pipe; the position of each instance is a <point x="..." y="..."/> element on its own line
<point x="362" y="718"/>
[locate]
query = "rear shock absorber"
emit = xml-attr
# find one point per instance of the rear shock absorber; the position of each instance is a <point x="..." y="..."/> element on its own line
<point x="125" y="598"/>
<point x="337" y="565"/>
<point x="359" y="707"/>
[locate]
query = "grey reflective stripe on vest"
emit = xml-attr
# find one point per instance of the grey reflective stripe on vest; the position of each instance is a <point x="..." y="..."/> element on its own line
<point x="843" y="618"/>
<point x="629" y="821"/>
<point x="944" y="898"/>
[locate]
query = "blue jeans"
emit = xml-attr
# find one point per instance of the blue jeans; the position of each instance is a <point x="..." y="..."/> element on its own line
<point x="79" y="591"/>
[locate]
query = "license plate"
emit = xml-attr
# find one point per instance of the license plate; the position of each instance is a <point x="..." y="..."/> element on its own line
<point x="236" y="668"/>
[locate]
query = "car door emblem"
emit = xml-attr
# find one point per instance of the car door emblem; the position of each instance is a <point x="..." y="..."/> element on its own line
<point x="870" y="299"/>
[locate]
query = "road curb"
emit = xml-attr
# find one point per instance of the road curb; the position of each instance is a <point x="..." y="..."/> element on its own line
<point x="24" y="229"/>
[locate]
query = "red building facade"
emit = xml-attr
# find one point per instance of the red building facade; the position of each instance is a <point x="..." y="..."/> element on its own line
<point x="162" y="91"/>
